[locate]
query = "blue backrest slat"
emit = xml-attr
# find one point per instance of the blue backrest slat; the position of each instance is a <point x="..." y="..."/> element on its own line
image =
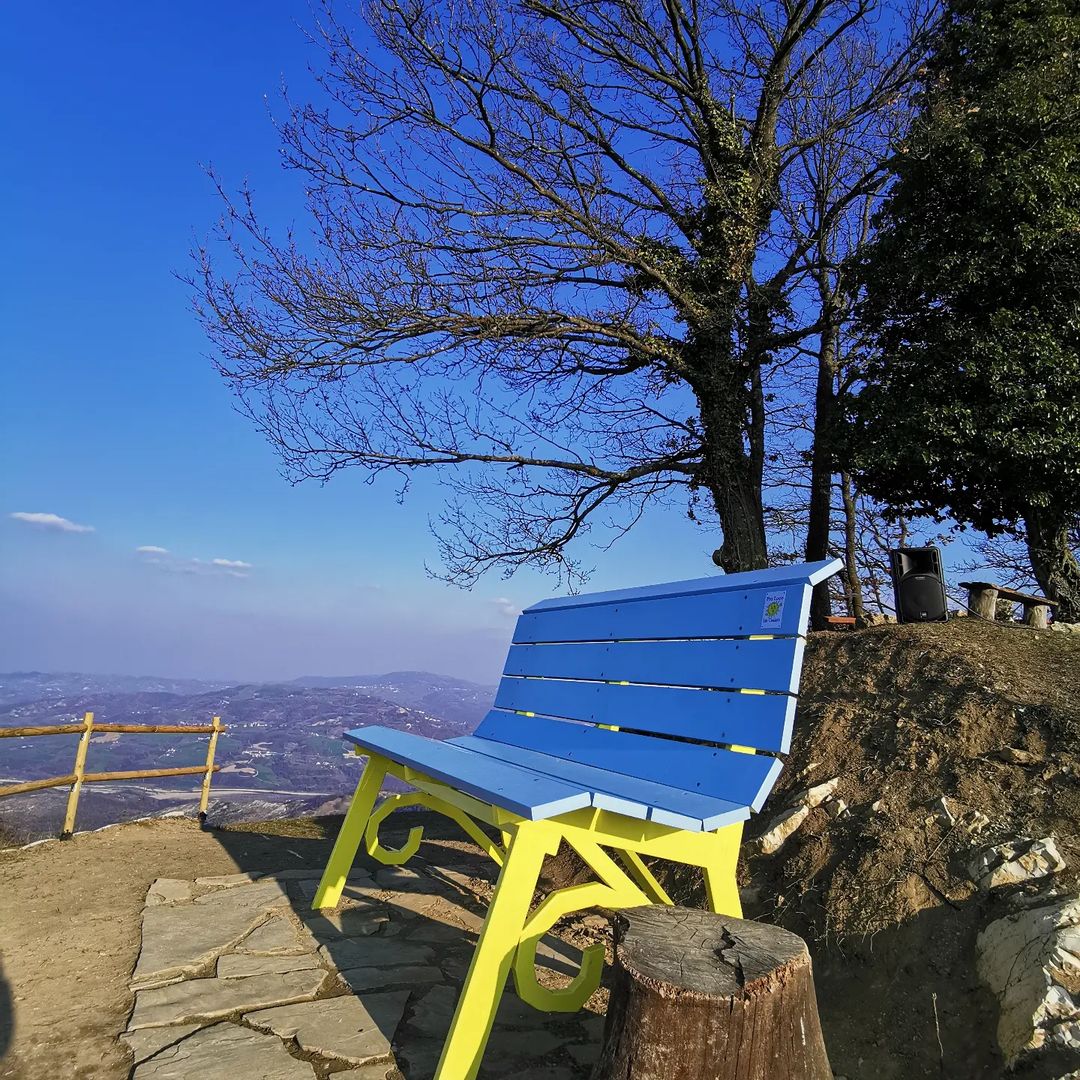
<point x="772" y="664"/>
<point x="774" y="577"/>
<point x="760" y="720"/>
<point x="738" y="613"/>
<point x="744" y="779"/>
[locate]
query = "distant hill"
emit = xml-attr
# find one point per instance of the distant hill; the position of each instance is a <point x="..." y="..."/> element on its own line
<point x="31" y="686"/>
<point x="283" y="744"/>
<point x="453" y="699"/>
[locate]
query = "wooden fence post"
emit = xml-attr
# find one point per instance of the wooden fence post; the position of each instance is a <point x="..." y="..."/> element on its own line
<point x="79" y="770"/>
<point x="204" y="799"/>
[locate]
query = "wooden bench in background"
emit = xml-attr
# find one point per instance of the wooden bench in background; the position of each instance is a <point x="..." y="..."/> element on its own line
<point x="984" y="595"/>
<point x="643" y="722"/>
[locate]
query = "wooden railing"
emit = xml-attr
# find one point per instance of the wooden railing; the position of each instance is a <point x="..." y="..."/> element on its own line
<point x="80" y="776"/>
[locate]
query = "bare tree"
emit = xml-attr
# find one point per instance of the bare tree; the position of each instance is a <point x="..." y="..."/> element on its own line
<point x="544" y="257"/>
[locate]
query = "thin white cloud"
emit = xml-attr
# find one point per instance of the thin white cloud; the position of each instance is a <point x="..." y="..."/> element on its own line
<point x="166" y="561"/>
<point x="54" y="522"/>
<point x="506" y="607"/>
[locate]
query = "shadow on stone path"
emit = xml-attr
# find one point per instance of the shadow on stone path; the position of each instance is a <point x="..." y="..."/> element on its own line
<point x="237" y="977"/>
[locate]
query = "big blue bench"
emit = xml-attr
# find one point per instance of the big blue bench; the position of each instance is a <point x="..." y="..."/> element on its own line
<point x="641" y="722"/>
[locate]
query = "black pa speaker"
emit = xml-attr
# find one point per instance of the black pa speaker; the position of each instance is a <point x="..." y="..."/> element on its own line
<point x="918" y="585"/>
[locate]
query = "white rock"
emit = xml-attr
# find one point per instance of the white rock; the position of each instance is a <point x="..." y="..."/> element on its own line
<point x="975" y="821"/>
<point x="837" y="808"/>
<point x="1029" y="960"/>
<point x="943" y="812"/>
<point x="878" y="806"/>
<point x="781" y="828"/>
<point x="819" y="793"/>
<point x="1016" y="862"/>
<point x="1013" y="755"/>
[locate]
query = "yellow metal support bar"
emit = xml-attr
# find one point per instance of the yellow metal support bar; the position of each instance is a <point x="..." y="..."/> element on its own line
<point x="80" y="768"/>
<point x="351" y="834"/>
<point x="484" y="984"/>
<point x="204" y="797"/>
<point x="397" y="856"/>
<point x="644" y="877"/>
<point x="614" y="890"/>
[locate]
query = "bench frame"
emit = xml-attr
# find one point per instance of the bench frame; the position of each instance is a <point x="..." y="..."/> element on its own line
<point x="592" y="644"/>
<point x="511" y="934"/>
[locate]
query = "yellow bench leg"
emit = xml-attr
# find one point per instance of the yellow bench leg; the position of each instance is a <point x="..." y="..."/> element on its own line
<point x="720" y="883"/>
<point x="352" y="832"/>
<point x="484" y="984"/>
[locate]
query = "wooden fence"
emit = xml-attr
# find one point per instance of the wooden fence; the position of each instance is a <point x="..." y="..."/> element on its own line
<point x="80" y="776"/>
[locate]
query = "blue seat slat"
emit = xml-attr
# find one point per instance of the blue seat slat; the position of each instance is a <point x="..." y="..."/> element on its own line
<point x="627" y="795"/>
<point x="760" y="720"/>
<point x="704" y="614"/>
<point x="775" y="577"/>
<point x="743" y="779"/>
<point x="532" y="795"/>
<point x="761" y="665"/>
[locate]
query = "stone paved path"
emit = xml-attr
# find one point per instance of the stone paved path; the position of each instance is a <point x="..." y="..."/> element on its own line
<point x="238" y="978"/>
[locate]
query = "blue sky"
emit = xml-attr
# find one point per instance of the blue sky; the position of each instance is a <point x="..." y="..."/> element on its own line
<point x="112" y="418"/>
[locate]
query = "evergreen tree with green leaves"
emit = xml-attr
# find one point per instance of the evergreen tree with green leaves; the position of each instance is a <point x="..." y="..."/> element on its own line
<point x="969" y="407"/>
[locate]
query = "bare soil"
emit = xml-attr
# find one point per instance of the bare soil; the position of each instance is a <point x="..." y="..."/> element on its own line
<point x="905" y="715"/>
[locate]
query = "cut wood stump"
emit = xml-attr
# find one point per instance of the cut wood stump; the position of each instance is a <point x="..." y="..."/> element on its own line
<point x="698" y="996"/>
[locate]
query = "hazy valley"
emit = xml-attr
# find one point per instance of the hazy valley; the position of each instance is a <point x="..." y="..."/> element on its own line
<point x="282" y="753"/>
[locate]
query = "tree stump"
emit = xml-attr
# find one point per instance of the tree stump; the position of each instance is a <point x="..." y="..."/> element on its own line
<point x="699" y="996"/>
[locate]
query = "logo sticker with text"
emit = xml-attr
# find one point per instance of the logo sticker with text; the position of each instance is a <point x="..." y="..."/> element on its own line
<point x="772" y="615"/>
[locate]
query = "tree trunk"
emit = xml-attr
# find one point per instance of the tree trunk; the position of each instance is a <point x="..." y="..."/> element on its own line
<point x="1054" y="562"/>
<point x="851" y="550"/>
<point x="819" y="525"/>
<point x="728" y="472"/>
<point x="699" y="996"/>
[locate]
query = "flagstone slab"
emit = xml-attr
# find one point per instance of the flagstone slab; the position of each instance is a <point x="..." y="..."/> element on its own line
<point x="432" y="1014"/>
<point x="346" y="1028"/>
<point x="357" y="884"/>
<point x="349" y="922"/>
<point x="379" y="1071"/>
<point x="314" y="873"/>
<point x="227" y="881"/>
<point x="225" y="1052"/>
<point x="148" y="1041"/>
<point x="181" y="940"/>
<point x="211" y="999"/>
<point x="276" y="936"/>
<point x="376" y="952"/>
<point x="169" y="891"/>
<point x="372" y="978"/>
<point x="240" y="965"/>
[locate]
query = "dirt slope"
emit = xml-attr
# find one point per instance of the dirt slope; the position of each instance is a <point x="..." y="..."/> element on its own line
<point x="905" y="715"/>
